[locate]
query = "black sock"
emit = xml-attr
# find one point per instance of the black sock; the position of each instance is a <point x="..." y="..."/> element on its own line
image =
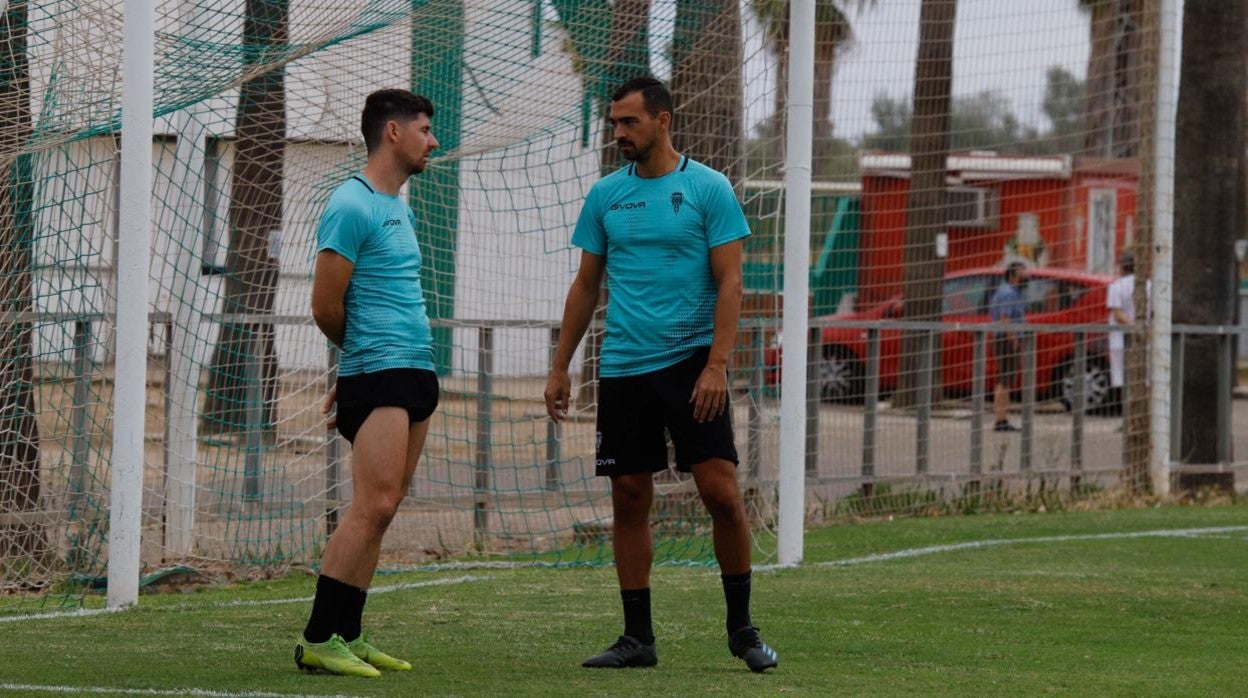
<point x="352" y="614"/>
<point x="331" y="597"/>
<point x="737" y="594"/>
<point x="637" y="615"/>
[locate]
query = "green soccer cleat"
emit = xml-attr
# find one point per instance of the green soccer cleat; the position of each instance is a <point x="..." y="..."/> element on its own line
<point x="361" y="648"/>
<point x="333" y="656"/>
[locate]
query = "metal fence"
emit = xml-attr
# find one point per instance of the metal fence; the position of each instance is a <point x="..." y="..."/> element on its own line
<point x="853" y="447"/>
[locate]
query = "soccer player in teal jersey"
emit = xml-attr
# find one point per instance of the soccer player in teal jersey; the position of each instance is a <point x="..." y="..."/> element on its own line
<point x="367" y="299"/>
<point x="667" y="231"/>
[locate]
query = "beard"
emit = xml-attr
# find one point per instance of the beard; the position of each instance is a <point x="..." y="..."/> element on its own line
<point x="637" y="153"/>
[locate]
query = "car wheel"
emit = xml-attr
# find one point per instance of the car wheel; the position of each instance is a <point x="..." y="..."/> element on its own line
<point x="841" y="376"/>
<point x="1097" y="390"/>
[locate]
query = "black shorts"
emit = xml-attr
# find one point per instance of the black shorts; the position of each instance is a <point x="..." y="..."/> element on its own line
<point x="634" y="411"/>
<point x="1007" y="361"/>
<point x="413" y="389"/>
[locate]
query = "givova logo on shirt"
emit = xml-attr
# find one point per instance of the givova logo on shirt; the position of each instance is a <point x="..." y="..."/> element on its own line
<point x="392" y="221"/>
<point x="627" y="205"/>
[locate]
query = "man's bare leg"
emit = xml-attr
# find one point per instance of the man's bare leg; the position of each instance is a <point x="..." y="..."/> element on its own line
<point x="415" y="439"/>
<point x="379" y="462"/>
<point x="716" y="480"/>
<point x="631" y="496"/>
<point x="1000" y="402"/>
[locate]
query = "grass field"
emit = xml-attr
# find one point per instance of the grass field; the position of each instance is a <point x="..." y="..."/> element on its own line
<point x="1079" y="604"/>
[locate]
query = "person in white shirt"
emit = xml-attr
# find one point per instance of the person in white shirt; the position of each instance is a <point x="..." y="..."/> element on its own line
<point x="1121" y="303"/>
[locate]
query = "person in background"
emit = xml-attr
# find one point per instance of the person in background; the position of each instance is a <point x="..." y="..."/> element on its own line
<point x="1006" y="306"/>
<point x="1120" y="300"/>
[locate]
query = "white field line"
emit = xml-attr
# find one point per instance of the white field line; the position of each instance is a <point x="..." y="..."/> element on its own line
<point x="386" y="589"/>
<point x="76" y="613"/>
<point x="37" y="688"/>
<point x="977" y="544"/>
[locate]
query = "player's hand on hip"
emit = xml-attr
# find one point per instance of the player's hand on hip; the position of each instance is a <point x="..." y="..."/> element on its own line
<point x="330" y="398"/>
<point x="710" y="394"/>
<point x="558" y="395"/>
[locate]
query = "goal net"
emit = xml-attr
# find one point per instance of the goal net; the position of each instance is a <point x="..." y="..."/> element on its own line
<point x="257" y="106"/>
<point x="257" y="121"/>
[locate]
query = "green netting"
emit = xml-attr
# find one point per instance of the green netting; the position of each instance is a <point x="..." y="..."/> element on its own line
<point x="256" y="112"/>
<point x="257" y="105"/>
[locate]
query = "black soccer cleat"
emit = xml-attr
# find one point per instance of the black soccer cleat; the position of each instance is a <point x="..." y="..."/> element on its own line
<point x="748" y="646"/>
<point x="626" y="652"/>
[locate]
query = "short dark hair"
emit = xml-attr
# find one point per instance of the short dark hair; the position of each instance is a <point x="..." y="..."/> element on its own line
<point x="1127" y="261"/>
<point x="387" y="105"/>
<point x="1011" y="271"/>
<point x="654" y="94"/>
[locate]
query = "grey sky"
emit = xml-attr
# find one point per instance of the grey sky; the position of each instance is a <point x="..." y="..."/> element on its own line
<point x="1001" y="45"/>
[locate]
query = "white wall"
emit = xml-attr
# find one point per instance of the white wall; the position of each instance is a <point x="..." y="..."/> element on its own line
<point x="523" y="175"/>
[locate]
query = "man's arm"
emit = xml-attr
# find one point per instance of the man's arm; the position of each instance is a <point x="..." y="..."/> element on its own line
<point x="710" y="394"/>
<point x="578" y="311"/>
<point x="329" y="291"/>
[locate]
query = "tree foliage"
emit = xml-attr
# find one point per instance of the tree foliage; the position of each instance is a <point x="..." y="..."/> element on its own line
<point x="986" y="121"/>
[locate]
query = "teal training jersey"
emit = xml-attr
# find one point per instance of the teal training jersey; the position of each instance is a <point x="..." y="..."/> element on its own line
<point x="386" y="322"/>
<point x="656" y="235"/>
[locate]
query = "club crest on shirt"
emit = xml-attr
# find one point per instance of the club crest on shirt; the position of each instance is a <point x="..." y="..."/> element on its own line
<point x="678" y="198"/>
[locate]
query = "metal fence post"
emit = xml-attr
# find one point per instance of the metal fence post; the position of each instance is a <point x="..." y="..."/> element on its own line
<point x="80" y="448"/>
<point x="167" y="450"/>
<point x="553" y="430"/>
<point x="814" y="380"/>
<point x="1077" y="408"/>
<point x="254" y="411"/>
<point x="485" y="408"/>
<point x="333" y="451"/>
<point x="754" y="418"/>
<point x="1029" y="399"/>
<point x="923" y="430"/>
<point x="1226" y="372"/>
<point x="871" y="407"/>
<point x="168" y="378"/>
<point x="1179" y="341"/>
<point x="979" y="386"/>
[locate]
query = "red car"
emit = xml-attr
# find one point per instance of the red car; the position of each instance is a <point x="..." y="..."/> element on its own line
<point x="1052" y="296"/>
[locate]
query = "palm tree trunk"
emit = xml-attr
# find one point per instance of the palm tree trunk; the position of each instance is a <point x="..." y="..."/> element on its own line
<point x="826" y="44"/>
<point x="706" y="84"/>
<point x="926" y="216"/>
<point x="1112" y="110"/>
<point x="245" y="351"/>
<point x="627" y="55"/>
<point x="780" y="109"/>
<point x="22" y="544"/>
<point x="1208" y="214"/>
